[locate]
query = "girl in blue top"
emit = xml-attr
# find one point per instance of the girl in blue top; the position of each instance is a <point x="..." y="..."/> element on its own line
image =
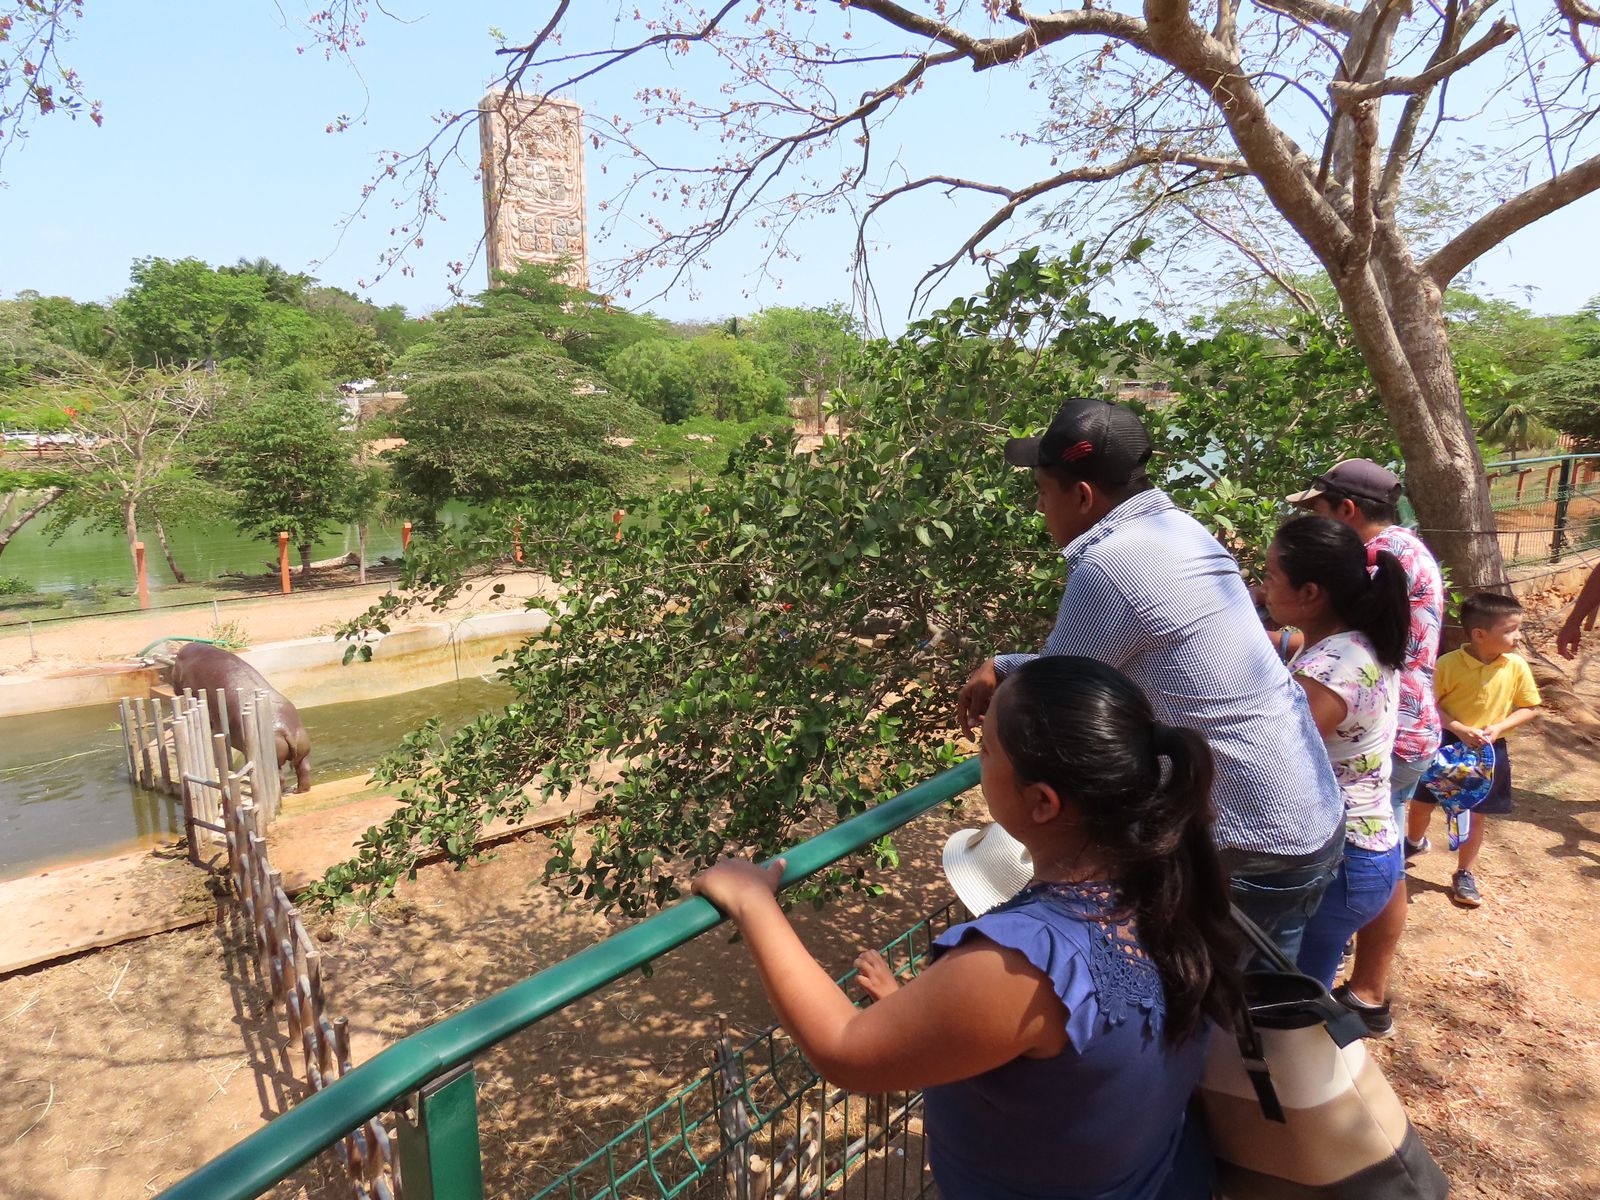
<point x="1060" y="1035"/>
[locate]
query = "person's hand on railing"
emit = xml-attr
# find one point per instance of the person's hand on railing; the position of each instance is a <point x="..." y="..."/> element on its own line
<point x="732" y="883"/>
<point x="875" y="975"/>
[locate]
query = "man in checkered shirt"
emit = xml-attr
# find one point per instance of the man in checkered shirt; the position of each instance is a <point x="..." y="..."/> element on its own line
<point x="1153" y="594"/>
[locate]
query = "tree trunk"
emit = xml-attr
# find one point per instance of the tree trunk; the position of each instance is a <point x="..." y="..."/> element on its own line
<point x="166" y="552"/>
<point x="50" y="496"/>
<point x="1399" y="327"/>
<point x="361" y="543"/>
<point x="305" y="560"/>
<point x="130" y="526"/>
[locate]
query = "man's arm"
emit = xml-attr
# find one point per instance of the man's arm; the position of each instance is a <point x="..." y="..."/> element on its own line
<point x="1583" y="609"/>
<point x="1093" y="620"/>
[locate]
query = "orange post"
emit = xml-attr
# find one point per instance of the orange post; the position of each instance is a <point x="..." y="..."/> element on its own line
<point x="283" y="561"/>
<point x="616" y="518"/>
<point x="142" y="573"/>
<point x="405" y="537"/>
<point x="516" y="541"/>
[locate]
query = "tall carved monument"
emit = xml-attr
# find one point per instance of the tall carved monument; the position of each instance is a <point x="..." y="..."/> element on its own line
<point x="533" y="188"/>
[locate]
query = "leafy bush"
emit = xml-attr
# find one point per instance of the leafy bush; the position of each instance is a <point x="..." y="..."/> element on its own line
<point x="13" y="585"/>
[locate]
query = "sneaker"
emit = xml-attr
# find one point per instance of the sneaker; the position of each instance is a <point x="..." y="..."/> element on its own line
<point x="1376" y="1017"/>
<point x="1415" y="848"/>
<point x="1464" y="890"/>
<point x="1348" y="952"/>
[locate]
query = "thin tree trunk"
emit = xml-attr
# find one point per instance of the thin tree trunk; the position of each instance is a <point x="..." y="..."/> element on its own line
<point x="166" y="552"/>
<point x="130" y="526"/>
<point x="305" y="560"/>
<point x="361" y="543"/>
<point x="51" y="495"/>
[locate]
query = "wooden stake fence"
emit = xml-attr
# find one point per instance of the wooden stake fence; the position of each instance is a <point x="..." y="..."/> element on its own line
<point x="172" y="747"/>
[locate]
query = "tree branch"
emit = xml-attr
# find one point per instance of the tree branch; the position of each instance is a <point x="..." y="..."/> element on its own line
<point x="1221" y="168"/>
<point x="1577" y="14"/>
<point x="1315" y="12"/>
<point x="1346" y="93"/>
<point x="1038" y="31"/>
<point x="1517" y="213"/>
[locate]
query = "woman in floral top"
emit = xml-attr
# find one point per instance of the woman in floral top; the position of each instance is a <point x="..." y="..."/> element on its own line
<point x="1351" y="603"/>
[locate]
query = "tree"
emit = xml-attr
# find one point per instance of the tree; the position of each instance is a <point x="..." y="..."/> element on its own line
<point x="289" y="464"/>
<point x="494" y="410"/>
<point x="587" y="328"/>
<point x="809" y="348"/>
<point x="130" y="451"/>
<point x="1264" y="127"/>
<point x="185" y="313"/>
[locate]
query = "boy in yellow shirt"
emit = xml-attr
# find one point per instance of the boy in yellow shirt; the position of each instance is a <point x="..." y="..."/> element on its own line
<point x="1484" y="690"/>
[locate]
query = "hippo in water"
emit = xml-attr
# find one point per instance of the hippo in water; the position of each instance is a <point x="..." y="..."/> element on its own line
<point x="206" y="668"/>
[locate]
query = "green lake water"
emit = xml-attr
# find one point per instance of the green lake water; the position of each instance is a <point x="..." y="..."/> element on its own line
<point x="65" y="795"/>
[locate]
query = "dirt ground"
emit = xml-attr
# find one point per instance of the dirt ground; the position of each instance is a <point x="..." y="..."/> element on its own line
<point x="125" y="1069"/>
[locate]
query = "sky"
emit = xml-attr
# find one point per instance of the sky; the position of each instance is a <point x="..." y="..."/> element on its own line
<point x="215" y="145"/>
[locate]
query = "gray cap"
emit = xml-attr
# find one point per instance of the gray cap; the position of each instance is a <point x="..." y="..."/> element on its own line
<point x="1360" y="478"/>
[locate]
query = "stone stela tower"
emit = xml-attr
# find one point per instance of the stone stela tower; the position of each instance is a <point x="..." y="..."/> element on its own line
<point x="533" y="188"/>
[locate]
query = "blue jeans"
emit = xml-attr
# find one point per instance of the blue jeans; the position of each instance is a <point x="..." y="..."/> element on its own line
<point x="1281" y="903"/>
<point x="1364" y="882"/>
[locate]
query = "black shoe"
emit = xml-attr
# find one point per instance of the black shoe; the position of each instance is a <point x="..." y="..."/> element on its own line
<point x="1376" y="1017"/>
<point x="1415" y="848"/>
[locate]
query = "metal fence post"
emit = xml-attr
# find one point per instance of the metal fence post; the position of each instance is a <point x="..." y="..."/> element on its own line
<point x="439" y="1156"/>
<point x="1563" y="498"/>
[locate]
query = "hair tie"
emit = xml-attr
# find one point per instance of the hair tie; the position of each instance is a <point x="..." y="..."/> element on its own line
<point x="1372" y="561"/>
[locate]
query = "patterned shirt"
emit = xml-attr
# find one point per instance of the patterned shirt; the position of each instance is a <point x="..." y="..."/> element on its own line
<point x="1362" y="744"/>
<point x="1156" y="596"/>
<point x="1419" y="731"/>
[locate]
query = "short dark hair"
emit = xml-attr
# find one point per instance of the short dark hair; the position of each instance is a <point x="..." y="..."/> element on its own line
<point x="1484" y="610"/>
<point x="1066" y="476"/>
<point x="1383" y="512"/>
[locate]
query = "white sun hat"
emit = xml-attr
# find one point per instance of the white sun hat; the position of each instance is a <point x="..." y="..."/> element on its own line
<point x="986" y="866"/>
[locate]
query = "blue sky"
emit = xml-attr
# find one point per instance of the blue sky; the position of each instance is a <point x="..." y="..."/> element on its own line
<point x="215" y="146"/>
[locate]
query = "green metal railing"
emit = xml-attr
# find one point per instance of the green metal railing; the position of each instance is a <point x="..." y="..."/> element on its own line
<point x="439" y="1144"/>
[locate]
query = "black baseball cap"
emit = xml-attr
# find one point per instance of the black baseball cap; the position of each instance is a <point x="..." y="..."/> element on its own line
<point x="1360" y="478"/>
<point x="1095" y="440"/>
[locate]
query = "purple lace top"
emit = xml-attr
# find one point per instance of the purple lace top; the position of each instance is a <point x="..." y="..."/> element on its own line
<point x="1102" y="1120"/>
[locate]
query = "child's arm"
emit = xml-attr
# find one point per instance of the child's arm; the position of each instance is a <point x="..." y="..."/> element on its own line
<point x="1502" y="727"/>
<point x="977" y="1008"/>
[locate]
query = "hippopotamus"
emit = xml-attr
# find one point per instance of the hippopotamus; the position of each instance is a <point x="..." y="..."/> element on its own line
<point x="207" y="668"/>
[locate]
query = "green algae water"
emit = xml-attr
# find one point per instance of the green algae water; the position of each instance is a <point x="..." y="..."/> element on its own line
<point x="65" y="795"/>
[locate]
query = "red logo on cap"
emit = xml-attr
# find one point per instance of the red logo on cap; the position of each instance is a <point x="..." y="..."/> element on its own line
<point x="1076" y="451"/>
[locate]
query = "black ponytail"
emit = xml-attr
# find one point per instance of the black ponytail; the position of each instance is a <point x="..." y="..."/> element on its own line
<point x="1367" y="590"/>
<point x="1084" y="729"/>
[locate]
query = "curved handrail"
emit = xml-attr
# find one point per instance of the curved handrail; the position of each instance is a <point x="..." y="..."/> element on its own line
<point x="288" y="1142"/>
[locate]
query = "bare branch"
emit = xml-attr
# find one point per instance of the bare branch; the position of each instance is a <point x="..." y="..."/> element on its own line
<point x="1363" y="216"/>
<point x="1215" y="166"/>
<point x="1346" y="93"/>
<point x="1495" y="226"/>
<point x="1039" y="31"/>
<point x="1315" y="12"/>
<point x="1577" y="14"/>
<point x="1258" y="259"/>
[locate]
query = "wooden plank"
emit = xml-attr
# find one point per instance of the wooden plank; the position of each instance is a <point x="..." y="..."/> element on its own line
<point x="141" y="722"/>
<point x="162" y="726"/>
